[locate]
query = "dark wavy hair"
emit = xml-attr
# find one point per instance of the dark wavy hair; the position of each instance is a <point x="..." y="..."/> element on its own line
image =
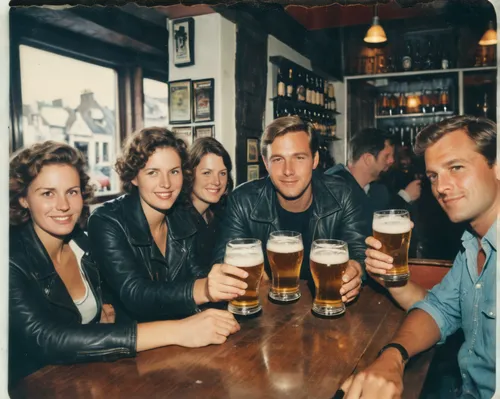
<point x="480" y="130"/>
<point x="208" y="145"/>
<point x="26" y="165"/>
<point x="140" y="146"/>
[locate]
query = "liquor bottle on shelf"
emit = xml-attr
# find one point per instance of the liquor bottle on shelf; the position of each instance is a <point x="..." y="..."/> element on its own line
<point x="393" y="104"/>
<point x="486" y="106"/>
<point x="402" y="103"/>
<point x="435" y="100"/>
<point x="445" y="61"/>
<point x="390" y="64"/>
<point x="425" y="103"/>
<point x="417" y="58"/>
<point x="444" y="100"/>
<point x="331" y="95"/>
<point x="325" y="94"/>
<point x="314" y="92"/>
<point x="281" y="88"/>
<point x="429" y="58"/>
<point x="300" y="90"/>
<point x="406" y="61"/>
<point x="308" y="89"/>
<point x="290" y="89"/>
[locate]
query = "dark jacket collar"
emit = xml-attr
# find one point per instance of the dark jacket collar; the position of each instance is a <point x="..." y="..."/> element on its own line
<point x="36" y="252"/>
<point x="179" y="225"/>
<point x="324" y="201"/>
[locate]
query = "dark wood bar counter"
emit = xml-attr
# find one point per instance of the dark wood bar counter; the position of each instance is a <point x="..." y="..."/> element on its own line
<point x="284" y="352"/>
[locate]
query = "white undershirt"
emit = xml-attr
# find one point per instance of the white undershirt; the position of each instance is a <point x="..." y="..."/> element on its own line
<point x="87" y="305"/>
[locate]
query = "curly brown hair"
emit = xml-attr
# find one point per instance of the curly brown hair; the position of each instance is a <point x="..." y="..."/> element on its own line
<point x="26" y="165"/>
<point x="140" y="146"/>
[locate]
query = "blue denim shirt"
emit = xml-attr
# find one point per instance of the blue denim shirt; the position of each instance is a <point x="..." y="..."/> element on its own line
<point x="464" y="299"/>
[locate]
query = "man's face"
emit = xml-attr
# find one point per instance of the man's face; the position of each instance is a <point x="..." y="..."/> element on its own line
<point x="290" y="164"/>
<point x="383" y="161"/>
<point x="465" y="186"/>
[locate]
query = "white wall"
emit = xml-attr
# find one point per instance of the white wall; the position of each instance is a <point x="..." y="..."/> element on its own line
<point x="214" y="55"/>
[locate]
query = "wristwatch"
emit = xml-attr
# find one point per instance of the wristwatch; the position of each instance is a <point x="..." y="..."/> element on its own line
<point x="399" y="347"/>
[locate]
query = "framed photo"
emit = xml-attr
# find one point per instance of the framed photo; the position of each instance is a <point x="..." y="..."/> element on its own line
<point x="185" y="133"/>
<point x="179" y="101"/>
<point x="203" y="100"/>
<point x="183" y="42"/>
<point x="252" y="150"/>
<point x="204" y="131"/>
<point x="252" y="172"/>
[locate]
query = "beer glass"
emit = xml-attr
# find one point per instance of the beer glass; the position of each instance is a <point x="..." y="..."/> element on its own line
<point x="393" y="229"/>
<point x="328" y="261"/>
<point x="246" y="254"/>
<point x="285" y="252"/>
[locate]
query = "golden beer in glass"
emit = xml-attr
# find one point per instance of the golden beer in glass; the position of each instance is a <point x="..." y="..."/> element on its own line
<point x="328" y="260"/>
<point x="393" y="229"/>
<point x="285" y="252"/>
<point x="246" y="254"/>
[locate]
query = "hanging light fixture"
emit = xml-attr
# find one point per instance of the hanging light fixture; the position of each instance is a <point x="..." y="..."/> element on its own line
<point x="490" y="36"/>
<point x="376" y="33"/>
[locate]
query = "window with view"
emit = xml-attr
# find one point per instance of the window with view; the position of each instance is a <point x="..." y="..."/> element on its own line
<point x="72" y="101"/>
<point x="155" y="103"/>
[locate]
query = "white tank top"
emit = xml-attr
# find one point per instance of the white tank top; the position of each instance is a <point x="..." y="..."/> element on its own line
<point x="87" y="305"/>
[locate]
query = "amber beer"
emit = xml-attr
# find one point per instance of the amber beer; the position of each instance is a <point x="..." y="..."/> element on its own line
<point x="246" y="254"/>
<point x="393" y="229"/>
<point x="285" y="252"/>
<point x="328" y="260"/>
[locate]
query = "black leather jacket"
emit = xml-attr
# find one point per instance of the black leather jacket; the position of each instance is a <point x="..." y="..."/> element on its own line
<point x="337" y="213"/>
<point x="144" y="285"/>
<point x="44" y="323"/>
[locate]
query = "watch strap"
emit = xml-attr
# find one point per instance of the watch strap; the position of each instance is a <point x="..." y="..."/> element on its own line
<point x="399" y="347"/>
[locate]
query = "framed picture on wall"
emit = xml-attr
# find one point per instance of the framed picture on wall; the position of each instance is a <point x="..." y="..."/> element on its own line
<point x="203" y="100"/>
<point x="252" y="172"/>
<point x="185" y="133"/>
<point x="204" y="131"/>
<point x="252" y="150"/>
<point x="183" y="42"/>
<point x="179" y="101"/>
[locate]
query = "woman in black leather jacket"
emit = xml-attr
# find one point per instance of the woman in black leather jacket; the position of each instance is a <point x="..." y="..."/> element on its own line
<point x="55" y="306"/>
<point x="211" y="166"/>
<point x="143" y="241"/>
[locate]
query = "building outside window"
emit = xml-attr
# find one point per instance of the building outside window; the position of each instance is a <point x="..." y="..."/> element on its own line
<point x="155" y="103"/>
<point x="75" y="102"/>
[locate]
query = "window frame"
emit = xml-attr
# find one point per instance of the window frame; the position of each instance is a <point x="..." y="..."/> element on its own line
<point x="128" y="67"/>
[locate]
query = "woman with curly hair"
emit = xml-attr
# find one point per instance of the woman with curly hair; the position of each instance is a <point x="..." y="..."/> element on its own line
<point x="211" y="166"/>
<point x="56" y="312"/>
<point x="143" y="241"/>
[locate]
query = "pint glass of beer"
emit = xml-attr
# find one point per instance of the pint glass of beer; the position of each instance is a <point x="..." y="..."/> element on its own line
<point x="328" y="261"/>
<point x="246" y="253"/>
<point x="393" y="229"/>
<point x="285" y="252"/>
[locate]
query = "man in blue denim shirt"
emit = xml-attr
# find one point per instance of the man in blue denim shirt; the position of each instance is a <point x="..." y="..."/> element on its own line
<point x="460" y="157"/>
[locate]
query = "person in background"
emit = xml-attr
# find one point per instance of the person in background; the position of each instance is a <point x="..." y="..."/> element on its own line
<point x="293" y="197"/>
<point x="212" y="183"/>
<point x="56" y="312"/>
<point x="461" y="165"/>
<point x="144" y="240"/>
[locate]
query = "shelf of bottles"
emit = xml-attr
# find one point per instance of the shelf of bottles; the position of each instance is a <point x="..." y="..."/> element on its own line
<point x="302" y="92"/>
<point x="418" y="52"/>
<point x="404" y="107"/>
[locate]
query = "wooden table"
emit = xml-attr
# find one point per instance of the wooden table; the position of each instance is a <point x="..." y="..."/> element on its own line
<point x="286" y="352"/>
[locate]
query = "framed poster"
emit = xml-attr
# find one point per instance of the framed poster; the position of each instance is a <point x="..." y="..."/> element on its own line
<point x="183" y="42"/>
<point x="185" y="133"/>
<point x="179" y="101"/>
<point x="203" y="100"/>
<point x="252" y="172"/>
<point x="204" y="131"/>
<point x="252" y="150"/>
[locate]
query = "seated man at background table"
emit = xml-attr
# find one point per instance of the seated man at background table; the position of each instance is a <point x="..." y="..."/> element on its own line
<point x="293" y="197"/>
<point x="460" y="157"/>
<point x="371" y="153"/>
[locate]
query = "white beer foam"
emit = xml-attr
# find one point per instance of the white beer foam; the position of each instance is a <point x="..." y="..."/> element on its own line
<point x="392" y="225"/>
<point x="329" y="257"/>
<point x="284" y="245"/>
<point x="243" y="259"/>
